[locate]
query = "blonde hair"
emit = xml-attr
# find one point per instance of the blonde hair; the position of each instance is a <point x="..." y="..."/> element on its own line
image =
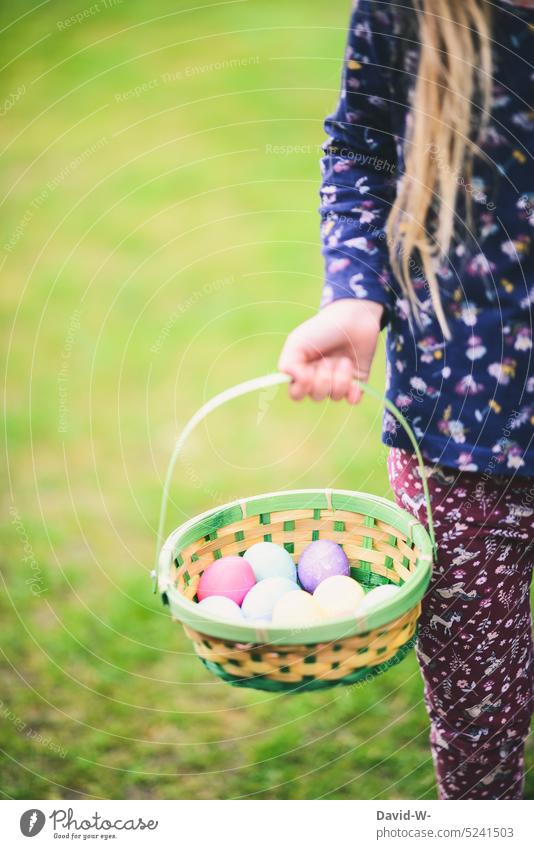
<point x="455" y="68"/>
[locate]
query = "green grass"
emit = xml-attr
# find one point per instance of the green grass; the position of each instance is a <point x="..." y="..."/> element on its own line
<point x="164" y="251"/>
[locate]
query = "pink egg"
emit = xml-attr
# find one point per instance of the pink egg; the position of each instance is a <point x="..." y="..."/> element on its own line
<point x="231" y="577"/>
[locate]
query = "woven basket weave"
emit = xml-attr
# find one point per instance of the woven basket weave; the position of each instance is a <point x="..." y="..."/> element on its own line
<point x="383" y="543"/>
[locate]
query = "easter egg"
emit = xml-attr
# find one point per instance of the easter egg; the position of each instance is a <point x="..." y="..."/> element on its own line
<point x="269" y="560"/>
<point x="231" y="577"/>
<point x="261" y="599"/>
<point x="320" y="560"/>
<point x="382" y="593"/>
<point x="259" y="623"/>
<point x="221" y="607"/>
<point x="296" y="609"/>
<point x="339" y="595"/>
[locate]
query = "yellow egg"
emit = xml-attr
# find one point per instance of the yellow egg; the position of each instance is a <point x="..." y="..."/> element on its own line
<point x="296" y="609"/>
<point x="339" y="595"/>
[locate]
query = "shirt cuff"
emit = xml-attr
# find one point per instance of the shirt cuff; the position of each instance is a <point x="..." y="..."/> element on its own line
<point x="345" y="280"/>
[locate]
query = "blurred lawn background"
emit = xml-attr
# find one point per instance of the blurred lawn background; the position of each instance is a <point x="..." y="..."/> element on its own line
<point x="159" y="240"/>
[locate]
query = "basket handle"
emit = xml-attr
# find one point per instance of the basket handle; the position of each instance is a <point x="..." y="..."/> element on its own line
<point x="252" y="386"/>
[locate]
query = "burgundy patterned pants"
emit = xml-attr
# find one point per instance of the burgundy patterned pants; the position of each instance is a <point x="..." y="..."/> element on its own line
<point x="475" y="637"/>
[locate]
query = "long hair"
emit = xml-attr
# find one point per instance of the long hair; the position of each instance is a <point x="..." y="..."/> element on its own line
<point x="452" y="97"/>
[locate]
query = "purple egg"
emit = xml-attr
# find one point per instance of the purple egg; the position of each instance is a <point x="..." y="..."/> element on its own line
<point x="320" y="560"/>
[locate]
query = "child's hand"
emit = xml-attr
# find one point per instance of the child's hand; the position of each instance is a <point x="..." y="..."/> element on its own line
<point x="328" y="351"/>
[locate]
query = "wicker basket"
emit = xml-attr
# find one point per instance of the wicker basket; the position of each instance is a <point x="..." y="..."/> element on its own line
<point x="383" y="543"/>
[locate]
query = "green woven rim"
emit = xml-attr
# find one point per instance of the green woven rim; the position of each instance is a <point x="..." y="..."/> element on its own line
<point x="373" y="507"/>
<point x="359" y="676"/>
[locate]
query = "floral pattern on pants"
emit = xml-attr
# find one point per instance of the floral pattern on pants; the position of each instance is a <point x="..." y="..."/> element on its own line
<point x="475" y="636"/>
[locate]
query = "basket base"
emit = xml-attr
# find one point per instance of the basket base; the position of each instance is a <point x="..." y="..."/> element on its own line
<point x="358" y="676"/>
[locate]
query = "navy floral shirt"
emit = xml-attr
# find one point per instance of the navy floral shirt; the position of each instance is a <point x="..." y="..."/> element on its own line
<point x="470" y="400"/>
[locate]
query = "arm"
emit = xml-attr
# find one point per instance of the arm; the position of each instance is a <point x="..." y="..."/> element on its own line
<point x="359" y="168"/>
<point x="358" y="186"/>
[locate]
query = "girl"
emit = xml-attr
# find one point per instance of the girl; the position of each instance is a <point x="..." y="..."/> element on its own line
<point x="427" y="226"/>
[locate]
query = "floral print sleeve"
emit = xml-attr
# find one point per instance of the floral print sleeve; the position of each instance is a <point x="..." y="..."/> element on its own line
<point x="359" y="167"/>
<point x="470" y="399"/>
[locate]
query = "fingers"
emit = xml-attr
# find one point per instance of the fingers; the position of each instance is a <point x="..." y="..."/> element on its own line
<point x="302" y="381"/>
<point x="323" y="380"/>
<point x="317" y="376"/>
<point x="342" y="379"/>
<point x="333" y="379"/>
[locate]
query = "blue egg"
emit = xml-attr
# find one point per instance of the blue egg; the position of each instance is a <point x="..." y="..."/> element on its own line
<point x="261" y="599"/>
<point x="269" y="560"/>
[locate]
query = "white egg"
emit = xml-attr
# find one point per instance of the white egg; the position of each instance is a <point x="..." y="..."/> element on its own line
<point x="221" y="608"/>
<point x="261" y="624"/>
<point x="382" y="593"/>
<point x="261" y="599"/>
<point x="296" y="610"/>
<point x="339" y="595"/>
<point x="269" y="560"/>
